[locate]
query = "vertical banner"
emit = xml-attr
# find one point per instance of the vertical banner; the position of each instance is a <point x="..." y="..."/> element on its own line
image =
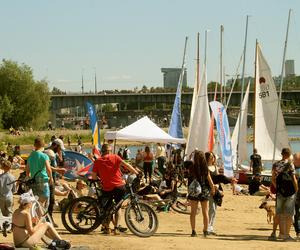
<point x="221" y="118"/>
<point x="95" y="128"/>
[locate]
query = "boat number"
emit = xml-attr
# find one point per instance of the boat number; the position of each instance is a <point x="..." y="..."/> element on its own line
<point x="264" y="94"/>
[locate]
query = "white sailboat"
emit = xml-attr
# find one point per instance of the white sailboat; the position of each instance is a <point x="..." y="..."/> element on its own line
<point x="239" y="142"/>
<point x="200" y="122"/>
<point x="266" y="100"/>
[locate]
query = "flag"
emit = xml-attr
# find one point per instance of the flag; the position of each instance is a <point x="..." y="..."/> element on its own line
<point x="221" y="119"/>
<point x="95" y="129"/>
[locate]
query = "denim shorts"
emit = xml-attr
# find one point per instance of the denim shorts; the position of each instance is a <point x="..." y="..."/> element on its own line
<point x="285" y="205"/>
<point x="41" y="189"/>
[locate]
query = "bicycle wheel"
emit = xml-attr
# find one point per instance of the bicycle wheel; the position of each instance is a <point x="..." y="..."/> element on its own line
<point x="39" y="212"/>
<point x="182" y="208"/>
<point x="141" y="219"/>
<point x="65" y="219"/>
<point x="84" y="214"/>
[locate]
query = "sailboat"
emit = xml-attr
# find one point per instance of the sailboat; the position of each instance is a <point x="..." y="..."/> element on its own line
<point x="268" y="133"/>
<point x="239" y="135"/>
<point x="200" y="122"/>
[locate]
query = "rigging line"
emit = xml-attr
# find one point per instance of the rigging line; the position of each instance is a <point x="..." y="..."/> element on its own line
<point x="236" y="77"/>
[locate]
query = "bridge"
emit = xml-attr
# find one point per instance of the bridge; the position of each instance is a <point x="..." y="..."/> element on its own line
<point x="78" y="100"/>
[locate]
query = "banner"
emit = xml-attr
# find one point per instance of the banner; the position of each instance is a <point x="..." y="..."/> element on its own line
<point x="76" y="165"/>
<point x="221" y="118"/>
<point x="95" y="129"/>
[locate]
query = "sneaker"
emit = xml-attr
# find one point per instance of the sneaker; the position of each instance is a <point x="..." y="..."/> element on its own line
<point x="290" y="239"/>
<point x="272" y="237"/>
<point x="122" y="229"/>
<point x="205" y="234"/>
<point x="212" y="233"/>
<point x="194" y="234"/>
<point x="59" y="244"/>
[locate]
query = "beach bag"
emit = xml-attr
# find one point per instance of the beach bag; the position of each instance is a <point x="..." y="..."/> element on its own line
<point x="194" y="189"/>
<point x="284" y="182"/>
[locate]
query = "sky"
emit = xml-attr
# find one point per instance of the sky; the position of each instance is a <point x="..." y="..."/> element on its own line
<point x="126" y="42"/>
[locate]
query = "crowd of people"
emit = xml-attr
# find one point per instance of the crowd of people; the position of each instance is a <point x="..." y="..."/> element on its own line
<point x="201" y="170"/>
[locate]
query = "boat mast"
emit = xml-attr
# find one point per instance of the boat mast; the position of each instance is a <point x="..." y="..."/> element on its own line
<point x="198" y="62"/>
<point x="221" y="62"/>
<point x="254" y="103"/>
<point x="242" y="91"/>
<point x="281" y="83"/>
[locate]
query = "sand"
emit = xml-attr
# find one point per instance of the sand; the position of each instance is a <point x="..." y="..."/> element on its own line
<point x="240" y="224"/>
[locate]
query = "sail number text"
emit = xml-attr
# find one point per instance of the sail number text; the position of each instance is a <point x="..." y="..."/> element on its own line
<point x="264" y="94"/>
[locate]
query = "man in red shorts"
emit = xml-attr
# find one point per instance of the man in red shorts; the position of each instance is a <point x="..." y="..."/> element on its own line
<point x="107" y="168"/>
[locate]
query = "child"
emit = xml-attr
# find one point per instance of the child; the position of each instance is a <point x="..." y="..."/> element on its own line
<point x="237" y="189"/>
<point x="6" y="191"/>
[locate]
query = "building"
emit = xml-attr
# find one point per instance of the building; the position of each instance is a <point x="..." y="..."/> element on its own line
<point x="289" y="68"/>
<point x="171" y="77"/>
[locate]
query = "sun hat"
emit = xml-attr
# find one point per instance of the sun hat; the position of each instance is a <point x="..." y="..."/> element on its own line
<point x="26" y="198"/>
<point x="60" y="143"/>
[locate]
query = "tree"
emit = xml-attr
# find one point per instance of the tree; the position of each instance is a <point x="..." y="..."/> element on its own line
<point x="26" y="101"/>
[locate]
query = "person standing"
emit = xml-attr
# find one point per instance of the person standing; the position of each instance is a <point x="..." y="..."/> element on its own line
<point x="161" y="158"/>
<point x="296" y="161"/>
<point x="199" y="171"/>
<point x="38" y="166"/>
<point x="126" y="153"/>
<point x="255" y="162"/>
<point x="107" y="168"/>
<point x="285" y="196"/>
<point x="147" y="159"/>
<point x="6" y="189"/>
<point x="213" y="170"/>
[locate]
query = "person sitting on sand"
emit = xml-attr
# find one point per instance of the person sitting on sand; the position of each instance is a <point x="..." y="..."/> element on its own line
<point x="237" y="189"/>
<point x="27" y="235"/>
<point x="256" y="188"/>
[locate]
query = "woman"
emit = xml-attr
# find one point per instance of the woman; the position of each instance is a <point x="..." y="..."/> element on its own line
<point x="199" y="171"/>
<point x="147" y="159"/>
<point x="213" y="171"/>
<point x="25" y="234"/>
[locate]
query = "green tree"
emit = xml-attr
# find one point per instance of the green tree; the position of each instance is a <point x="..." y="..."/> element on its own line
<point x="26" y="101"/>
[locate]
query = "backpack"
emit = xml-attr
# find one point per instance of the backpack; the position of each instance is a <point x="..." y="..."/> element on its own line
<point x="284" y="182"/>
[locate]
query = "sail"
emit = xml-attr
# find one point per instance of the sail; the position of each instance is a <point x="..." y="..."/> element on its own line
<point x="175" y="128"/>
<point x="266" y="100"/>
<point x="239" y="135"/>
<point x="198" y="135"/>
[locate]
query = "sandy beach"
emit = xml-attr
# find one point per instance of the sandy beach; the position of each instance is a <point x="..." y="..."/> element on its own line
<point x="240" y="224"/>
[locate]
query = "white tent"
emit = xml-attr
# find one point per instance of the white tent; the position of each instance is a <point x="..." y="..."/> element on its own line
<point x="143" y="130"/>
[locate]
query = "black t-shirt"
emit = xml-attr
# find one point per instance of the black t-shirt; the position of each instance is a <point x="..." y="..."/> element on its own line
<point x="254" y="186"/>
<point x="256" y="160"/>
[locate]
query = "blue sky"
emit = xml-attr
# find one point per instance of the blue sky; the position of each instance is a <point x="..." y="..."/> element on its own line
<point x="128" y="41"/>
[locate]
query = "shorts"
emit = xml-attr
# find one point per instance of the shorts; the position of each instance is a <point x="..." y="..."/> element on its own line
<point x="117" y="193"/>
<point x="285" y="205"/>
<point x="42" y="190"/>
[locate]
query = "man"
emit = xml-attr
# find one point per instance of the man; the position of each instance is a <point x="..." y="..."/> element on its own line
<point x="255" y="162"/>
<point x="256" y="188"/>
<point x="38" y="166"/>
<point x="126" y="153"/>
<point x="297" y="203"/>
<point x="107" y="168"/>
<point x="53" y="153"/>
<point x="285" y="205"/>
<point x="161" y="158"/>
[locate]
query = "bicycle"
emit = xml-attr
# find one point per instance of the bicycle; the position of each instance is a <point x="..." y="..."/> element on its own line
<point x="85" y="214"/>
<point x="37" y="211"/>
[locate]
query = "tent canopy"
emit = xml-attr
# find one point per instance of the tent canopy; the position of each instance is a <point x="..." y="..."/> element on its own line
<point x="143" y="130"/>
